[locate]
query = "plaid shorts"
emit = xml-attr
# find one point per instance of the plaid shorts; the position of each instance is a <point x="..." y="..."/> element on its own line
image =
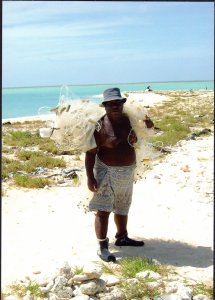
<point x="115" y="188"/>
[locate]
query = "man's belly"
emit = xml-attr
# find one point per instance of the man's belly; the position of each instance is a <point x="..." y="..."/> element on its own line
<point x="122" y="155"/>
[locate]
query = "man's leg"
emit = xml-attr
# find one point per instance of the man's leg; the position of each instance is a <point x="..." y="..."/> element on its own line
<point x="121" y="236"/>
<point x="101" y="229"/>
<point x="121" y="224"/>
<point x="101" y="224"/>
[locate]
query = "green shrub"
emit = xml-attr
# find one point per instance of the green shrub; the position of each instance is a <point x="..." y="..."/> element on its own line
<point x="43" y="161"/>
<point x="10" y="166"/>
<point x="169" y="138"/>
<point x="32" y="160"/>
<point x="6" y="160"/>
<point x="27" y="155"/>
<point x="49" y="146"/>
<point x="176" y="117"/>
<point x="7" y="150"/>
<point x="20" y="138"/>
<point x="29" y="182"/>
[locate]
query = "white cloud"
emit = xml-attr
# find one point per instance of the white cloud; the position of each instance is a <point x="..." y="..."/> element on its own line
<point x="23" y="12"/>
<point x="101" y="33"/>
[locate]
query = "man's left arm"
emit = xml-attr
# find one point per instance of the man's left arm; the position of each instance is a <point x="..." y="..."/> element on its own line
<point x="149" y="123"/>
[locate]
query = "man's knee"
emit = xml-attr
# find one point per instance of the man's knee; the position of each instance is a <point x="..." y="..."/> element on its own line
<point x="103" y="214"/>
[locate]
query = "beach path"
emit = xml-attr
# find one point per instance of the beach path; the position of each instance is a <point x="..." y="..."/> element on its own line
<point x="172" y="211"/>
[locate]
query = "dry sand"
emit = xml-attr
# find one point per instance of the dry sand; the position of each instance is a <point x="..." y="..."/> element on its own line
<point x="172" y="211"/>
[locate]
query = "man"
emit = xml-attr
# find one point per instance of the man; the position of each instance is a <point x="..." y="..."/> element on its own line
<point x="148" y="89"/>
<point x="110" y="172"/>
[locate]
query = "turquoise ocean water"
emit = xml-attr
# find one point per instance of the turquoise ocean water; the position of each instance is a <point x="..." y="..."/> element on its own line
<point x="29" y="101"/>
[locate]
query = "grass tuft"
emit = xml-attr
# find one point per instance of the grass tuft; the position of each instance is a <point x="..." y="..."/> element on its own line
<point x="130" y="266"/>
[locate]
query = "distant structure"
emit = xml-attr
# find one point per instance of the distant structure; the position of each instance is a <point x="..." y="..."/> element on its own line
<point x="148" y="89"/>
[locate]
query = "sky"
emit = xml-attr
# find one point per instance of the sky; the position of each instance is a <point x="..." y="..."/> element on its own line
<point x="47" y="43"/>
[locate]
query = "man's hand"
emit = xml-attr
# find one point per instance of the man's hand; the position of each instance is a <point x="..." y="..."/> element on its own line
<point x="89" y="164"/>
<point x="132" y="137"/>
<point x="92" y="184"/>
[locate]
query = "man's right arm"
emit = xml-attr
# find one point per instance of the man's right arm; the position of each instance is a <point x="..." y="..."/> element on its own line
<point x="89" y="165"/>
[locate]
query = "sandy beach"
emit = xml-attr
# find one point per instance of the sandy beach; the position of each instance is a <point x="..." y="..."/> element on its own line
<point x="172" y="211"/>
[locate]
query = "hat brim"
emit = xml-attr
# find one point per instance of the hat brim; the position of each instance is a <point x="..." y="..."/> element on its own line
<point x="115" y="98"/>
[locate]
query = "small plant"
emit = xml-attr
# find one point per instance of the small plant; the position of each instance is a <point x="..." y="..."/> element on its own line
<point x="138" y="290"/>
<point x="201" y="288"/>
<point x="20" y="289"/>
<point x="202" y="158"/>
<point x="77" y="270"/>
<point x="3" y="192"/>
<point x="29" y="182"/>
<point x="76" y="157"/>
<point x="76" y="181"/>
<point x="34" y="290"/>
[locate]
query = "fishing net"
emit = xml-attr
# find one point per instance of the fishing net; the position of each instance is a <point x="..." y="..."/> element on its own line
<point x="75" y="124"/>
<point x="76" y="120"/>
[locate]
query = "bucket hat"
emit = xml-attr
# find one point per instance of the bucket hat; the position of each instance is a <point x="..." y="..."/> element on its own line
<point x="113" y="94"/>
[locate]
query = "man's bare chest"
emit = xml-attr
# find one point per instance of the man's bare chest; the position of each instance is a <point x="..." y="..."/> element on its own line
<point x="118" y="129"/>
<point x="113" y="135"/>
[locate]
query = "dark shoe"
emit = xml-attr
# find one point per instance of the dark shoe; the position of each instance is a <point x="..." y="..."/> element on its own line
<point x="124" y="240"/>
<point x="104" y="253"/>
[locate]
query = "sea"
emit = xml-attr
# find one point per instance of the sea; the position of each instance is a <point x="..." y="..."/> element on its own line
<point x="34" y="101"/>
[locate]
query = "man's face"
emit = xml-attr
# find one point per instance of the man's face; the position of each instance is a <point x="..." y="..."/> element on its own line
<point x="114" y="108"/>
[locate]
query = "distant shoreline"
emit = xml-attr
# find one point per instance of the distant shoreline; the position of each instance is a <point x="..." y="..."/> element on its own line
<point x="18" y="104"/>
<point x="91" y="84"/>
<point x="149" y="98"/>
<point x="25" y="119"/>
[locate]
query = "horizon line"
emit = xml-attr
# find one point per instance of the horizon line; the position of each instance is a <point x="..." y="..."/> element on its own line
<point x="88" y="84"/>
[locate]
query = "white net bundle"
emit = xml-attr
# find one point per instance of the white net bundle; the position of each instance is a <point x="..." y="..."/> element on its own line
<point x="145" y="152"/>
<point x="75" y="123"/>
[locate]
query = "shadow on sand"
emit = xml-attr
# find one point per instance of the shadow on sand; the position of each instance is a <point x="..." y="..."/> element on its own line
<point x="168" y="252"/>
